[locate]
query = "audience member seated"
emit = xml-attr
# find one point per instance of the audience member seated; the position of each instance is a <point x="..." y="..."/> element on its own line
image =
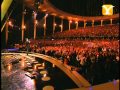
<point x="97" y="60"/>
<point x="97" y="31"/>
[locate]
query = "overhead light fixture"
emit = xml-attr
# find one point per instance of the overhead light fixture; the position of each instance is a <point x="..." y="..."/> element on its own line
<point x="36" y="21"/>
<point x="10" y="23"/>
<point x="44" y="25"/>
<point x="44" y="10"/>
<point x="24" y="27"/>
<point x="46" y="15"/>
<point x="70" y="21"/>
<point x="76" y="22"/>
<point x="55" y="24"/>
<point x="60" y="25"/>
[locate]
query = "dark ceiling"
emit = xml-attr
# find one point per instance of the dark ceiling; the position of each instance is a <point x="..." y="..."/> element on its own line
<point x="84" y="7"/>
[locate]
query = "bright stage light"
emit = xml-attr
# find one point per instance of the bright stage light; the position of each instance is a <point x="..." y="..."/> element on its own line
<point x="55" y="24"/>
<point x="36" y="21"/>
<point x="76" y="22"/>
<point x="70" y="21"/>
<point x="60" y="25"/>
<point x="10" y="23"/>
<point x="24" y="27"/>
<point x="107" y="9"/>
<point x="46" y="15"/>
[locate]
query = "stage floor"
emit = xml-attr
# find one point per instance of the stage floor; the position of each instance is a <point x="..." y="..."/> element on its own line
<point x="17" y="80"/>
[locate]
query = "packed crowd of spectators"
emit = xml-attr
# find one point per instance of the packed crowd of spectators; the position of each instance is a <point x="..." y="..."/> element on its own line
<point x="96" y="60"/>
<point x="75" y="42"/>
<point x="97" y="65"/>
<point x="97" y="31"/>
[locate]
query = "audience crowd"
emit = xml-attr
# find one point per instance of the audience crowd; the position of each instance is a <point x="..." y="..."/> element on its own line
<point x="96" y="60"/>
<point x="97" y="31"/>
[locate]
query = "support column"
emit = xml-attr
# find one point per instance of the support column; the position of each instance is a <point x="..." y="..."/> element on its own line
<point x="76" y="24"/>
<point x="54" y="24"/>
<point x="61" y="24"/>
<point x="84" y="23"/>
<point x="92" y="23"/>
<point x="6" y="33"/>
<point x="35" y="25"/>
<point x="69" y="24"/>
<point x="22" y="26"/>
<point x="45" y="29"/>
<point x="111" y="21"/>
<point x="101" y="22"/>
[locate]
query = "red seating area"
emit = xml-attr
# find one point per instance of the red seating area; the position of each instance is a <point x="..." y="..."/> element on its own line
<point x="69" y="46"/>
<point x="91" y="57"/>
<point x="77" y="43"/>
<point x="97" y="31"/>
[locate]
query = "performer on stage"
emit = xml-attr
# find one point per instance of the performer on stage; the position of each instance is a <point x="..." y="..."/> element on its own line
<point x="27" y="45"/>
